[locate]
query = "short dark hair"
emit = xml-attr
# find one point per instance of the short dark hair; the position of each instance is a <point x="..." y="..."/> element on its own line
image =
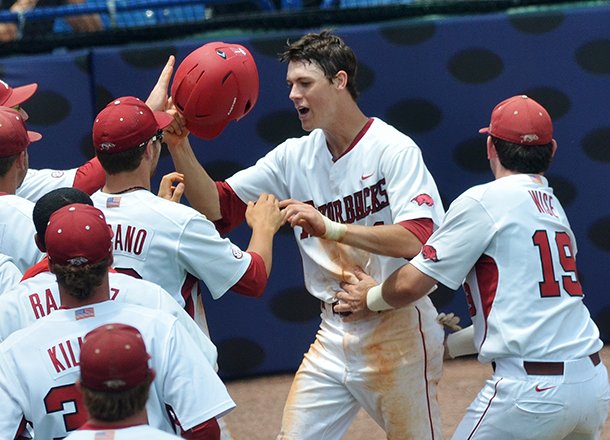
<point x="327" y="51"/>
<point x="113" y="407"/>
<point x="526" y="159"/>
<point x="6" y="163"/>
<point x="51" y="202"/>
<point x="124" y="161"/>
<point x="80" y="281"/>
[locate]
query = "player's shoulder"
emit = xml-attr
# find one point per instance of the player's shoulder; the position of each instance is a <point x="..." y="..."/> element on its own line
<point x="15" y="202"/>
<point x="384" y="136"/>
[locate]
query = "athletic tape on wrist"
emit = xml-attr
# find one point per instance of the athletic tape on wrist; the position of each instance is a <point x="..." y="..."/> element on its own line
<point x="334" y="231"/>
<point x="461" y="342"/>
<point x="375" y="301"/>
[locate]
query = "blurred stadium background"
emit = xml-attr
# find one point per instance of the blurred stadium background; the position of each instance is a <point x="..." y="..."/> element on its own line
<point x="433" y="69"/>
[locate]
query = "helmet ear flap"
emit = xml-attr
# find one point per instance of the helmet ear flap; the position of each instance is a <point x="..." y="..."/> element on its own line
<point x="215" y="84"/>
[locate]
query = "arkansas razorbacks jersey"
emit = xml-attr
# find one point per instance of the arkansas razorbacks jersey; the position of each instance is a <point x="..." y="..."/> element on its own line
<point x="9" y="273"/>
<point x="17" y="231"/>
<point x="171" y="245"/>
<point x="138" y="432"/>
<point x="510" y="243"/>
<point x="39" y="367"/>
<point x="39" y="182"/>
<point x="380" y="179"/>
<point x="38" y="296"/>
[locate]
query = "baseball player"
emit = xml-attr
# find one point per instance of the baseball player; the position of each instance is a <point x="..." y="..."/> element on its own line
<point x="365" y="198"/>
<point x="167" y="243"/>
<point x="9" y="273"/>
<point x="16" y="229"/>
<point x="39" y="364"/>
<point x="89" y="177"/>
<point x="511" y="242"/>
<point x="115" y="380"/>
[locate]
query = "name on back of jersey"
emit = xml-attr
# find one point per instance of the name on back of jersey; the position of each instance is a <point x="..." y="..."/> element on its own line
<point x="131" y="240"/>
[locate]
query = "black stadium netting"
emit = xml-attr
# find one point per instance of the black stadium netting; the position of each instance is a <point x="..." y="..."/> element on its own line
<point x="30" y="26"/>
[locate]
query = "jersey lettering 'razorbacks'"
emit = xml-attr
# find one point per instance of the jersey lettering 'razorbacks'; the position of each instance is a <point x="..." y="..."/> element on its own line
<point x="131" y="240"/>
<point x="358" y="205"/>
<point x="64" y="355"/>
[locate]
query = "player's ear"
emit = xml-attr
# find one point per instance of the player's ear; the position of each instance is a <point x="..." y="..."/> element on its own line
<point x="341" y="79"/>
<point x="491" y="148"/>
<point x="554" y="142"/>
<point x="39" y="244"/>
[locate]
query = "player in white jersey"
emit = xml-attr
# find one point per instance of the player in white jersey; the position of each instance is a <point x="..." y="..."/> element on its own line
<point x="170" y="244"/>
<point x="510" y="243"/>
<point x="38" y="296"/>
<point x="10" y="274"/>
<point x="39" y="364"/>
<point x="16" y="228"/>
<point x="368" y="200"/>
<point x="115" y="380"/>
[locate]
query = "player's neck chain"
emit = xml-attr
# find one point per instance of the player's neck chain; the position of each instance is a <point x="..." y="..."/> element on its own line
<point x="133" y="188"/>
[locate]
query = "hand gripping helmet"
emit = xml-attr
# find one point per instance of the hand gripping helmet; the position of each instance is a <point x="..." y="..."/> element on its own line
<point x="215" y="84"/>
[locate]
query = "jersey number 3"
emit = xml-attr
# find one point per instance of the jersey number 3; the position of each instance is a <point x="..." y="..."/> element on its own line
<point x="549" y="286"/>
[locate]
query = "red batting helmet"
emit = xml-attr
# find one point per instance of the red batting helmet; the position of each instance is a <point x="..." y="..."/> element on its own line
<point x="215" y="84"/>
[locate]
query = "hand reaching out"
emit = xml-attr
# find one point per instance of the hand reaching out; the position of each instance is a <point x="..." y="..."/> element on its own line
<point x="172" y="187"/>
<point x="265" y="213"/>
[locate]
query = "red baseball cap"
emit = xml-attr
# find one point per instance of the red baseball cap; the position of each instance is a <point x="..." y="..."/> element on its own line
<point x="14" y="137"/>
<point x="78" y="235"/>
<point x="126" y="123"/>
<point x="113" y="358"/>
<point x="11" y="97"/>
<point x="520" y="120"/>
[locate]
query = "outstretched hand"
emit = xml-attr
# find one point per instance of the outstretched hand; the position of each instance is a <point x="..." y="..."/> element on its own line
<point x="352" y="299"/>
<point x="158" y="98"/>
<point x="304" y="215"/>
<point x="172" y="187"/>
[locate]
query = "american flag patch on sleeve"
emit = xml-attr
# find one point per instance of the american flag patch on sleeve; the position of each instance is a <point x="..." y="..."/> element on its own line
<point x="87" y="312"/>
<point x="113" y="202"/>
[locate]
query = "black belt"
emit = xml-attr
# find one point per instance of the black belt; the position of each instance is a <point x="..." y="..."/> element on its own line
<point x="550" y="368"/>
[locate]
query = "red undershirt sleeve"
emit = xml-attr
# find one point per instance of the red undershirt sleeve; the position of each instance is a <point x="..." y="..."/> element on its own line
<point x="232" y="208"/>
<point x="90" y="176"/>
<point x="208" y="430"/>
<point x="254" y="281"/>
<point x="422" y="228"/>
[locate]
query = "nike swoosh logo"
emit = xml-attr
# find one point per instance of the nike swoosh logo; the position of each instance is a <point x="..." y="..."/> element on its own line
<point x="543" y="389"/>
<point x="363" y="177"/>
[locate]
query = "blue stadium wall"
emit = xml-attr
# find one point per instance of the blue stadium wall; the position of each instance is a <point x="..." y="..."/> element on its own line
<point x="436" y="79"/>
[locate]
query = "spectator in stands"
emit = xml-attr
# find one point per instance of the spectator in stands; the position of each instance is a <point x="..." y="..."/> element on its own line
<point x="13" y="31"/>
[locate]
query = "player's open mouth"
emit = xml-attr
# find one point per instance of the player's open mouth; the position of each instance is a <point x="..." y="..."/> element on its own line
<point x="303" y="111"/>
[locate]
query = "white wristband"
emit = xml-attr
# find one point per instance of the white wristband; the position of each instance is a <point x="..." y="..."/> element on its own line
<point x="375" y="301"/>
<point x="461" y="343"/>
<point x="334" y="231"/>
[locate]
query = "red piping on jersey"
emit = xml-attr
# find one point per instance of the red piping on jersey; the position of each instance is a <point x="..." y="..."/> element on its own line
<point x="356" y="139"/>
<point x="485" y="412"/>
<point x="487" y="281"/>
<point x="186" y="292"/>
<point x="423" y="339"/>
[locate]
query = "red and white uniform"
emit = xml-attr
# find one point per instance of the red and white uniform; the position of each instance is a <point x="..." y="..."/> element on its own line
<point x="38" y="296"/>
<point x="39" y="368"/>
<point x="138" y="432"/>
<point x="379" y="363"/>
<point x="10" y="275"/>
<point x="510" y="243"/>
<point x="89" y="177"/>
<point x="171" y="245"/>
<point x="17" y="231"/>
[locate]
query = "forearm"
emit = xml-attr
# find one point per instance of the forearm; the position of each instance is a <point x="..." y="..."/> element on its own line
<point x="261" y="242"/>
<point x="390" y="240"/>
<point x="403" y="287"/>
<point x="200" y="189"/>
